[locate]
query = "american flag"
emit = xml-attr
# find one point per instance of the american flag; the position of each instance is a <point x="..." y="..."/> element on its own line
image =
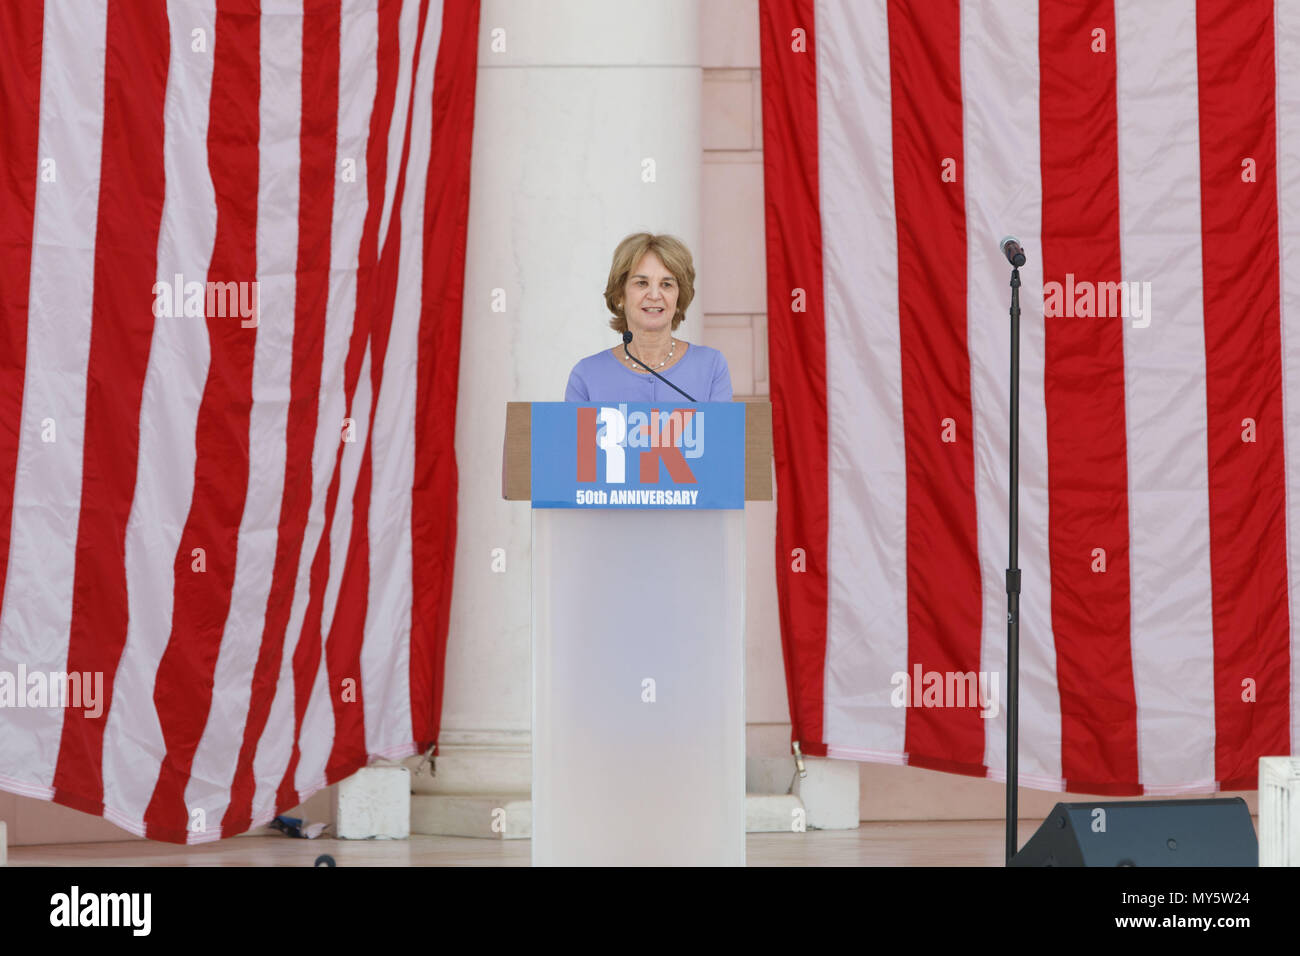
<point x="232" y="245"/>
<point x="1155" y="144"/>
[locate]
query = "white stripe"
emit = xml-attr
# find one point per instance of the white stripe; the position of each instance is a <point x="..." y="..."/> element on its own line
<point x="169" y="408"/>
<point x="1003" y="183"/>
<point x="36" y="619"/>
<point x="318" y="724"/>
<point x="866" y="634"/>
<point x="1164" y="399"/>
<point x="407" y="22"/>
<point x="1286" y="26"/>
<point x="357" y="80"/>
<point x="318" y="720"/>
<point x="385" y="655"/>
<point x="351" y="454"/>
<point x="277" y="259"/>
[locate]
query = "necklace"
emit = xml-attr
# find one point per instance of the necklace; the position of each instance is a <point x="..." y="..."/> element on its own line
<point x="671" y="350"/>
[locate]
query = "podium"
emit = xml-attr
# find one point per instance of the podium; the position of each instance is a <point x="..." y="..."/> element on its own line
<point x="638" y="624"/>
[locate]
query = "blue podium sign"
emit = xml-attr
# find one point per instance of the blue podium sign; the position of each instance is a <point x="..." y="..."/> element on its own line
<point x="638" y="455"/>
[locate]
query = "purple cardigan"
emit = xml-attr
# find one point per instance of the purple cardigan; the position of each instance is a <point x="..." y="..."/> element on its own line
<point x="702" y="372"/>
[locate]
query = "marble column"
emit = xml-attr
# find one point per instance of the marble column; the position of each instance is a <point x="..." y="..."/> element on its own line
<point x="587" y="128"/>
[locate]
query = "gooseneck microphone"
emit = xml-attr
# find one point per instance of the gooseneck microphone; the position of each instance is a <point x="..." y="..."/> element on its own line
<point x="1010" y="247"/>
<point x="627" y="340"/>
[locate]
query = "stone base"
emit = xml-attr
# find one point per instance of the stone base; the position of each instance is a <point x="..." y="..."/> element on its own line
<point x="374" y="803"/>
<point x="480" y="788"/>
<point x="829" y="793"/>
<point x="509" y="816"/>
<point x="774" y="813"/>
<point x="501" y="816"/>
<point x="1279" y="811"/>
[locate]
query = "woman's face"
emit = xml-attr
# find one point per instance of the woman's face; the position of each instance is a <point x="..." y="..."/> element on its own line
<point x="650" y="296"/>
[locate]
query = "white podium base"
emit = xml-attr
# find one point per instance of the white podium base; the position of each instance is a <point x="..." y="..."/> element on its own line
<point x="638" y="688"/>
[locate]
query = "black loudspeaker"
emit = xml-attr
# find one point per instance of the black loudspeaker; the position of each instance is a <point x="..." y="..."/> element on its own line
<point x="1215" y="832"/>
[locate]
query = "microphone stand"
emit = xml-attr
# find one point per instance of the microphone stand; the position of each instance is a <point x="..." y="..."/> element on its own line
<point x="1013" y="581"/>
<point x="627" y="338"/>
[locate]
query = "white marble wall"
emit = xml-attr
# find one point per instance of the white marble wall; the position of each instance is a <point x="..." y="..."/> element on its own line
<point x="569" y="114"/>
<point x="549" y="200"/>
<point x="735" y="320"/>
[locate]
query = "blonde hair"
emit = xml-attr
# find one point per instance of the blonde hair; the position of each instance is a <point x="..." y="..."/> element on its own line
<point x="672" y="252"/>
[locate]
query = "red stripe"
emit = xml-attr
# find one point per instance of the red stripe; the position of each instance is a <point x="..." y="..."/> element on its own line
<point x="126" y="248"/>
<point x="317" y="148"/>
<point x="433" y="495"/>
<point x="664" y="448"/>
<point x="587" y="432"/>
<point x="343" y="646"/>
<point x="1243" y="368"/>
<point x="21" y="33"/>
<point x="184" y="683"/>
<point x="1086" y="432"/>
<point x="797" y="350"/>
<point x="307" y="655"/>
<point x="944" y="604"/>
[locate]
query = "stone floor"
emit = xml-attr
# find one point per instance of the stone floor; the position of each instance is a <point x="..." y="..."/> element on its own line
<point x="929" y="843"/>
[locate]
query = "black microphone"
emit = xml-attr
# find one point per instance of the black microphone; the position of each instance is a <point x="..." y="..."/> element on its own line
<point x="1010" y="247"/>
<point x="627" y="338"/>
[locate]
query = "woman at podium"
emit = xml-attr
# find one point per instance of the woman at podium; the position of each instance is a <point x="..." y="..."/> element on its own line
<point x="651" y="284"/>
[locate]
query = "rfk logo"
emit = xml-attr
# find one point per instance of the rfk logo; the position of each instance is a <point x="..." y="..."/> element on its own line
<point x="661" y="442"/>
